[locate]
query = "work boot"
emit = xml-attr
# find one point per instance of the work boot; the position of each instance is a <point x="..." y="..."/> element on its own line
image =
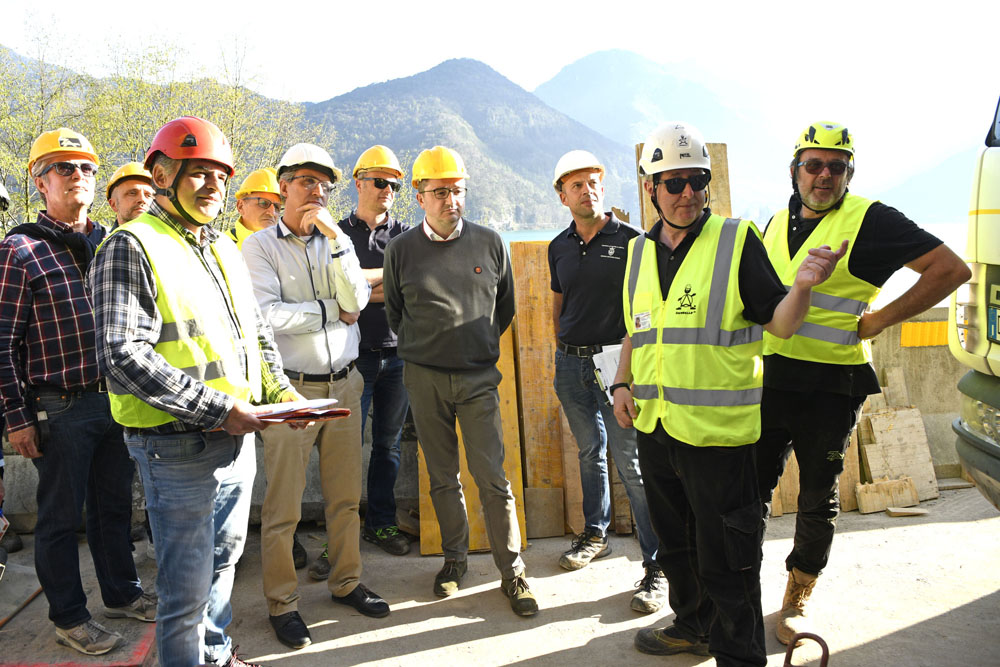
<point x="651" y="593"/>
<point x="89" y="637"/>
<point x="447" y="581"/>
<point x="389" y="539"/>
<point x="587" y="546"/>
<point x="792" y="617"/>
<point x="320" y="568"/>
<point x="668" y="641"/>
<point x="522" y="601"/>
<point x="299" y="555"/>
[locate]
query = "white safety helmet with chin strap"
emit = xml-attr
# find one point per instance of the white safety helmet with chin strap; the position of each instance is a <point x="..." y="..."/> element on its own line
<point x="674" y="145"/>
<point x="308" y="156"/>
<point x="575" y="161"/>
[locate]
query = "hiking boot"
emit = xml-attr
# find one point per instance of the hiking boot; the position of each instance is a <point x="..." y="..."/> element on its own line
<point x="320" y="568"/>
<point x="299" y="555"/>
<point x="522" y="601"/>
<point x="792" y="617"/>
<point x="143" y="608"/>
<point x="447" y="581"/>
<point x="234" y="661"/>
<point x="587" y="546"/>
<point x="651" y="593"/>
<point x="389" y="539"/>
<point x="89" y="637"/>
<point x="667" y="641"/>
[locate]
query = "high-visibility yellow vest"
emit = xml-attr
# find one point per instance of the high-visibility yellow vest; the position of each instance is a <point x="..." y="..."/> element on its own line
<point x="696" y="361"/>
<point x="196" y="335"/>
<point x="829" y="333"/>
<point x="240" y="233"/>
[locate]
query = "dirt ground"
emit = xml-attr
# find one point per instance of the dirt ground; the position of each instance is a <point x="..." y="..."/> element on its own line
<point x="898" y="591"/>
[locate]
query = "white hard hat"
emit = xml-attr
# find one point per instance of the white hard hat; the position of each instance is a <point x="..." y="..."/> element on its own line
<point x="674" y="145"/>
<point x="306" y="155"/>
<point x="575" y="161"/>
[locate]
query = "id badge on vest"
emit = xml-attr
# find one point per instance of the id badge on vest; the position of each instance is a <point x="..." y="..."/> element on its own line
<point x="642" y="321"/>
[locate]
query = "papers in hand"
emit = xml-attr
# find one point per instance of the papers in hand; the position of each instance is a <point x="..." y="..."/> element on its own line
<point x="606" y="367"/>
<point x="315" y="410"/>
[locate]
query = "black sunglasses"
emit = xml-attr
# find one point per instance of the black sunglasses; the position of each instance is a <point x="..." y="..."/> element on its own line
<point x="814" y="166"/>
<point x="382" y="183"/>
<point x="67" y="168"/>
<point x="675" y="186"/>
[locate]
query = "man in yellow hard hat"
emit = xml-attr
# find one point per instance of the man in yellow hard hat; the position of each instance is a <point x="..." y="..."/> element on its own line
<point x="816" y="381"/>
<point x="129" y="192"/>
<point x="187" y="355"/>
<point x="55" y="400"/>
<point x="377" y="178"/>
<point x="698" y="290"/>
<point x="259" y="203"/>
<point x="449" y="296"/>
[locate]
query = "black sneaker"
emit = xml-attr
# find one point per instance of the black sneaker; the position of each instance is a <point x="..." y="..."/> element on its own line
<point x="299" y="555"/>
<point x="389" y="539"/>
<point x="291" y="630"/>
<point x="586" y="547"/>
<point x="447" y="581"/>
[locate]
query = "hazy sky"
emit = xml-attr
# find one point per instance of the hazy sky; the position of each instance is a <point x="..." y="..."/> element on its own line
<point x="918" y="85"/>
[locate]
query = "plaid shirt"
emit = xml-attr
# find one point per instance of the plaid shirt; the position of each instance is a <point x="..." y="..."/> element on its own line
<point x="46" y="320"/>
<point x="124" y="293"/>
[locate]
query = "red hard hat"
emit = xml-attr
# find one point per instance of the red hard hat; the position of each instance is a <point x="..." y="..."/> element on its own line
<point x="191" y="138"/>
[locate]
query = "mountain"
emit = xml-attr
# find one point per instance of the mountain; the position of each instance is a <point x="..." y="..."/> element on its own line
<point x="510" y="140"/>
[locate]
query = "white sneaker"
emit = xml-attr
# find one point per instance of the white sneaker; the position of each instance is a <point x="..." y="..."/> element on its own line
<point x="651" y="593"/>
<point x="90" y="637"/>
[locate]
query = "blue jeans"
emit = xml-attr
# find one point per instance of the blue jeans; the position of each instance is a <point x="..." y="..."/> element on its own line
<point x="383" y="373"/>
<point x="198" y="500"/>
<point x="83" y="460"/>
<point x="592" y="421"/>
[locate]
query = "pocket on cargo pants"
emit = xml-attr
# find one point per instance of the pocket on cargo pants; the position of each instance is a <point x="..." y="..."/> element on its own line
<point x="742" y="536"/>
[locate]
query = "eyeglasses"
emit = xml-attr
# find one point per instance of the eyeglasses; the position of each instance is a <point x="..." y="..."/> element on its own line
<point x="442" y="193"/>
<point x="814" y="166"/>
<point x="382" y="183"/>
<point x="698" y="182"/>
<point x="67" y="168"/>
<point x="264" y="203"/>
<point x="308" y="182"/>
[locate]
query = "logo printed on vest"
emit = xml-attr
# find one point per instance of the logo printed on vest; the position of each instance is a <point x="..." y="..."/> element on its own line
<point x="686" y="304"/>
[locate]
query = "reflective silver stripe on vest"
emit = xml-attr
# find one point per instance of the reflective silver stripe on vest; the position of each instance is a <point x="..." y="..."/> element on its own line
<point x="701" y="397"/>
<point x="828" y="334"/>
<point x="711" y="333"/>
<point x="210" y="371"/>
<point x="184" y="329"/>
<point x="838" y="304"/>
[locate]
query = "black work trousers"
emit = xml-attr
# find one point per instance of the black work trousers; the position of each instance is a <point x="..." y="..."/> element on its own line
<point x="817" y="427"/>
<point x="705" y="510"/>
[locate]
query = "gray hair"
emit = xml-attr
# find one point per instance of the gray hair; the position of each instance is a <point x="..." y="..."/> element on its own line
<point x="167" y="164"/>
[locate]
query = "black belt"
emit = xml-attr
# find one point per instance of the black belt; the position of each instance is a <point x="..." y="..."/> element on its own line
<point x="321" y="377"/>
<point x="580" y="350"/>
<point x="99" y="387"/>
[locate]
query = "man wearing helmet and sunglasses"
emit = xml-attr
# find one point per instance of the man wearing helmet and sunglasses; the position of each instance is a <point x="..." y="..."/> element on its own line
<point x="56" y="404"/>
<point x="187" y="353"/>
<point x="698" y="289"/>
<point x="259" y="204"/>
<point x="816" y="381"/>
<point x="377" y="177"/>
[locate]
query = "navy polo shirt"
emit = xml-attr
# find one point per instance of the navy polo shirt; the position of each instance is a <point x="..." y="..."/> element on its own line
<point x="590" y="277"/>
<point x="369" y="245"/>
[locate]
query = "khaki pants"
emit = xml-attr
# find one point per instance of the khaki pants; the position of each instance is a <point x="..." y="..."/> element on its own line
<point x="437" y="398"/>
<point x="286" y="457"/>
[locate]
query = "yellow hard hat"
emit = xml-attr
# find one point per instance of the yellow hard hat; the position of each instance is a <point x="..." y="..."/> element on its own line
<point x="262" y="180"/>
<point x="378" y="157"/>
<point x="128" y="170"/>
<point x="70" y="144"/>
<point x="833" y="136"/>
<point x="438" y="162"/>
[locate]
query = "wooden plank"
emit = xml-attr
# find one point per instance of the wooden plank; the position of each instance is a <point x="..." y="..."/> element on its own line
<point x="777" y="508"/>
<point x="883" y="493"/>
<point x="430" y="531"/>
<point x="895" y="392"/>
<point x="718" y="189"/>
<point x="851" y="476"/>
<point x="788" y="486"/>
<point x="952" y="483"/>
<point x="901" y="449"/>
<point x="536" y="340"/>
<point x="621" y="509"/>
<point x="572" y="487"/>
<point x="905" y="511"/>
<point x="865" y="438"/>
<point x="543" y="512"/>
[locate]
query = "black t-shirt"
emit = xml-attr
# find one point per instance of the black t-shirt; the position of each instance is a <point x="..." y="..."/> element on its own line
<point x="760" y="288"/>
<point x="590" y="278"/>
<point x="369" y="245"/>
<point x="887" y="240"/>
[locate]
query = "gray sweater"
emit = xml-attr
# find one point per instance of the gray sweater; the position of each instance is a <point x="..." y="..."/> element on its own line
<point x="449" y="301"/>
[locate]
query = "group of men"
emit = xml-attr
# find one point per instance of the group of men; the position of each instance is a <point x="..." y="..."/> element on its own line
<point x="154" y="342"/>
